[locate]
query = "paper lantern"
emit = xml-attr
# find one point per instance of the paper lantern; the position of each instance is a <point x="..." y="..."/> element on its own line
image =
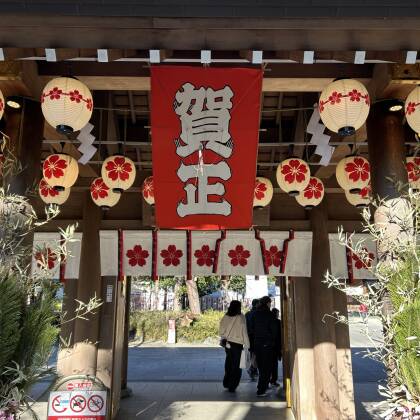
<point x="353" y="173"/>
<point x="50" y="195"/>
<point x="118" y="172"/>
<point x="293" y="176"/>
<point x="413" y="172"/>
<point x="1" y="104"/>
<point x="102" y="195"/>
<point x="263" y="192"/>
<point x="359" y="199"/>
<point x="312" y="195"/>
<point x="344" y="106"/>
<point x="412" y="109"/>
<point x="148" y="191"/>
<point x="66" y="104"/>
<point x="60" y="171"/>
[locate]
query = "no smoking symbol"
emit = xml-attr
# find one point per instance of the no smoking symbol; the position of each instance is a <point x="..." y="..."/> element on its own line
<point x="78" y="403"/>
<point x="95" y="403"/>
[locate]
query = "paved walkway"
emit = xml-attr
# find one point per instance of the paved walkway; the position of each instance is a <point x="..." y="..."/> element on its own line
<point x="184" y="382"/>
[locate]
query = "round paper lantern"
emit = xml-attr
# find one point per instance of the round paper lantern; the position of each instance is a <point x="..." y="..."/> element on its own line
<point x="312" y="195"/>
<point x="353" y="173"/>
<point x="293" y="175"/>
<point x="50" y="195"/>
<point x="360" y="199"/>
<point x="148" y="191"/>
<point x="344" y="106"/>
<point x="60" y="171"/>
<point x="102" y="195"/>
<point x="118" y="172"/>
<point x="413" y="172"/>
<point x="263" y="192"/>
<point x="66" y="104"/>
<point x="412" y="109"/>
<point x="1" y="104"/>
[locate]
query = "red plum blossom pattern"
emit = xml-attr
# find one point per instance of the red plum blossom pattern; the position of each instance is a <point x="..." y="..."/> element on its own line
<point x="239" y="256"/>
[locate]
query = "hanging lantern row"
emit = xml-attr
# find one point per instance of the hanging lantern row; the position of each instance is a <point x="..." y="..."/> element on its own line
<point x="147" y="191"/>
<point x="102" y="195"/>
<point x="312" y="195"/>
<point x="67" y="104"/>
<point x="60" y="171"/>
<point x="293" y="176"/>
<point x="118" y="173"/>
<point x="353" y="173"/>
<point x="263" y="192"/>
<point x="360" y="199"/>
<point x="50" y="195"/>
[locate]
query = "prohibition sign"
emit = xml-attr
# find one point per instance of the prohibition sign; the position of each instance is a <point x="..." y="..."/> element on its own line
<point x="95" y="403"/>
<point x="56" y="405"/>
<point x="78" y="403"/>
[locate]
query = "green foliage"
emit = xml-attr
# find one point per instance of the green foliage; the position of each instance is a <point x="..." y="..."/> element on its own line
<point x="238" y="284"/>
<point x="10" y="315"/>
<point x="153" y="325"/>
<point x="407" y="329"/>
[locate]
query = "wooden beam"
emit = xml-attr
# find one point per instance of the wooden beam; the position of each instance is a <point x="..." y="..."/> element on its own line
<point x="274" y="84"/>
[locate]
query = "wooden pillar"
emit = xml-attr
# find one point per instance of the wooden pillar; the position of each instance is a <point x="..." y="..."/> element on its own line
<point x="124" y="367"/>
<point x="86" y="332"/>
<point x="327" y="400"/>
<point x="302" y="360"/>
<point x="386" y="148"/>
<point x="25" y="128"/>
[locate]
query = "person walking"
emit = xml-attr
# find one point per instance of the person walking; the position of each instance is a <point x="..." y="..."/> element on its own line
<point x="252" y="371"/>
<point x="234" y="337"/>
<point x="277" y="350"/>
<point x="264" y="332"/>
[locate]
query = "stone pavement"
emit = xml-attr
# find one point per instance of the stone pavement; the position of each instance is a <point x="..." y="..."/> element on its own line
<point x="184" y="382"/>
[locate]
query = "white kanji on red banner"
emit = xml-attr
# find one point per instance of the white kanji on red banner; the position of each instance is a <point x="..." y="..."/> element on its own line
<point x="138" y="253"/>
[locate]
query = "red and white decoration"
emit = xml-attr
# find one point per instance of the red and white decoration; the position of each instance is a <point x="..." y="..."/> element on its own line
<point x="412" y="109"/>
<point x="102" y="195"/>
<point x="205" y="132"/>
<point x="49" y="195"/>
<point x="147" y="190"/>
<point x="60" y="171"/>
<point x="66" y="104"/>
<point x="118" y="173"/>
<point x="359" y="199"/>
<point x="164" y="253"/>
<point x="353" y="173"/>
<point x="263" y="192"/>
<point x="2" y="104"/>
<point x="344" y="106"/>
<point x="413" y="172"/>
<point x="312" y="195"/>
<point x="293" y="176"/>
<point x="45" y="260"/>
<point x="347" y="265"/>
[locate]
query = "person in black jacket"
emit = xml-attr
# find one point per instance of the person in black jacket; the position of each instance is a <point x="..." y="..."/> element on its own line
<point x="252" y="371"/>
<point x="277" y="350"/>
<point x="264" y="333"/>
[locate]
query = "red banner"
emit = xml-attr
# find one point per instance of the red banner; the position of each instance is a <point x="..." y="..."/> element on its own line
<point x="204" y="141"/>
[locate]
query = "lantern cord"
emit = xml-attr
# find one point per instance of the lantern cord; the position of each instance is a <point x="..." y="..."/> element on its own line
<point x="62" y="144"/>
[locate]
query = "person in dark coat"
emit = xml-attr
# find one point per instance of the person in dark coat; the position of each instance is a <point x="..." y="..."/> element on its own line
<point x="277" y="350"/>
<point x="264" y="332"/>
<point x="252" y="371"/>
